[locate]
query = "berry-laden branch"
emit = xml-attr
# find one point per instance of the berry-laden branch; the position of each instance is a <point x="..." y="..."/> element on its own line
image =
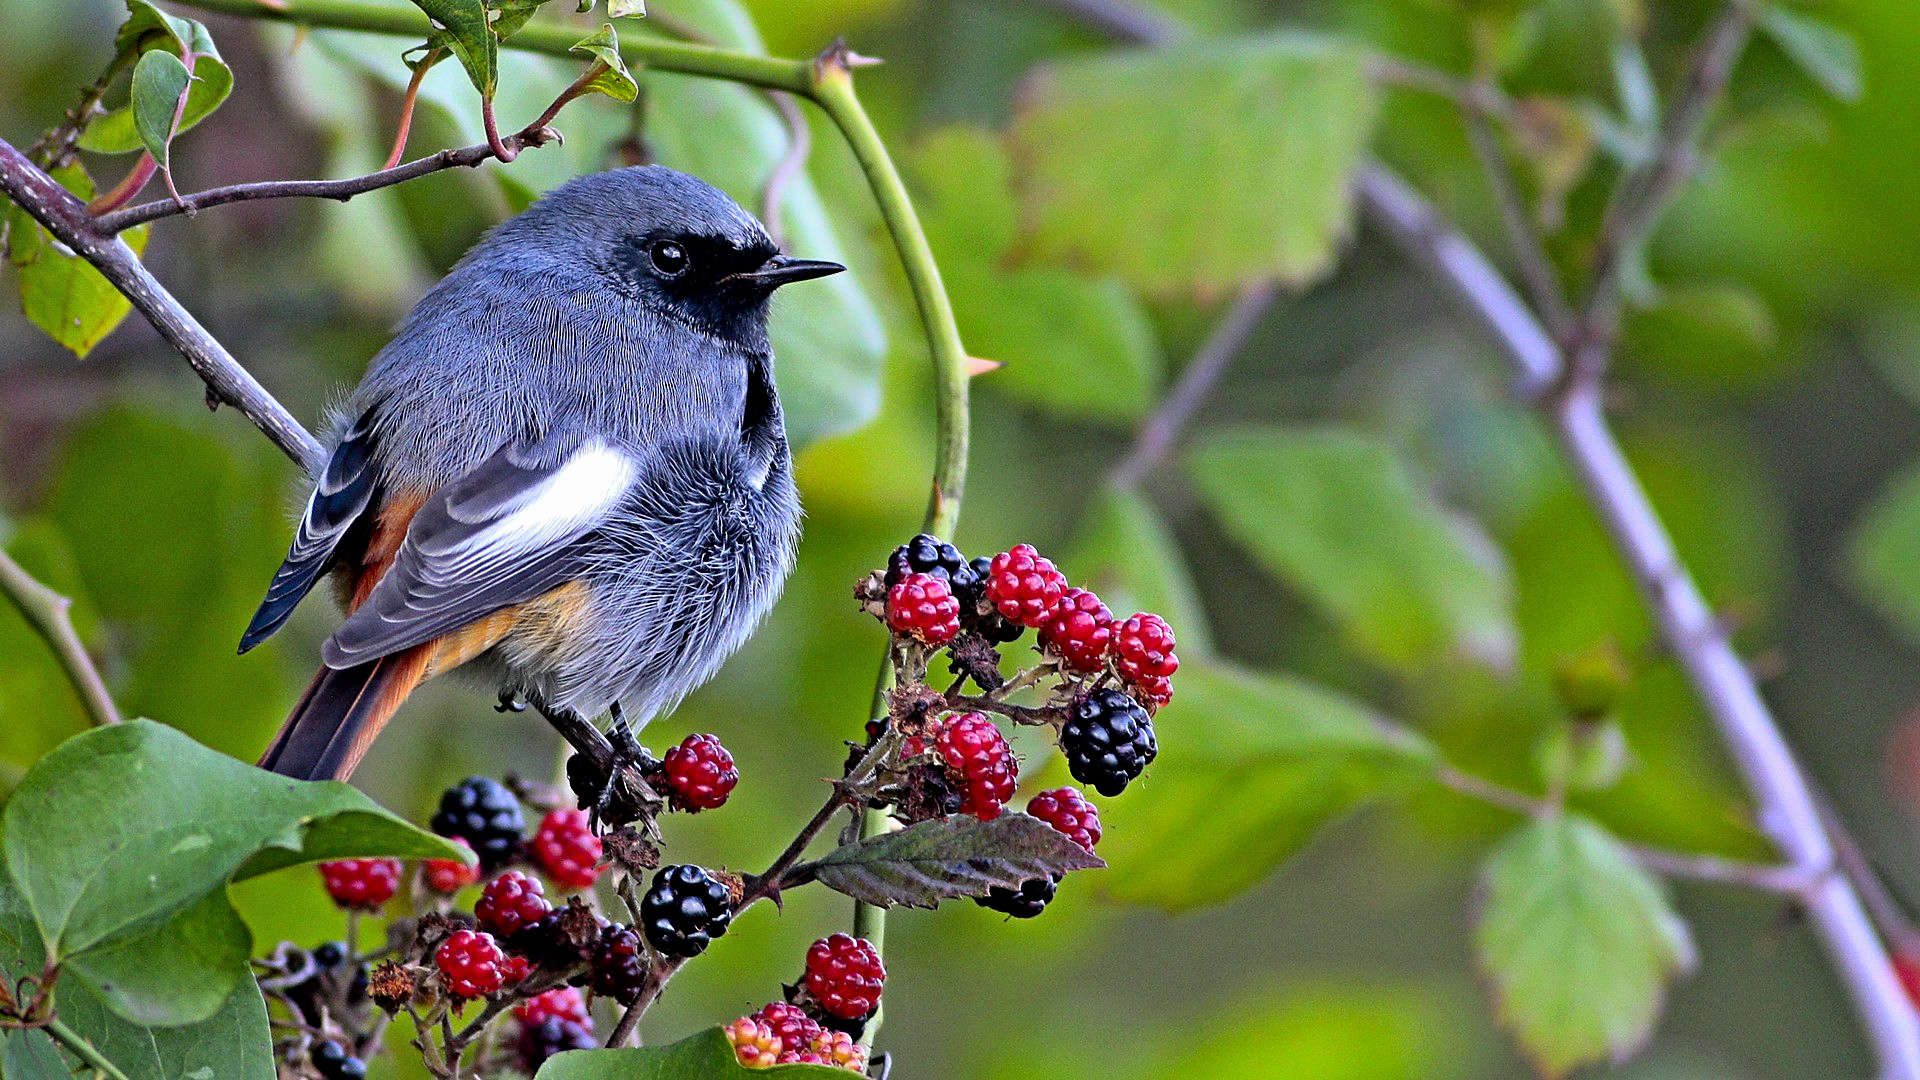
<point x="51" y="614"/>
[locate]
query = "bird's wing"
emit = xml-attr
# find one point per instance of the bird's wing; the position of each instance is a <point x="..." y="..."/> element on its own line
<point x="503" y="534"/>
<point x="339" y="499"/>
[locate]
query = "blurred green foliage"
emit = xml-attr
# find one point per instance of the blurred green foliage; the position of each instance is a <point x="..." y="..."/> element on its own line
<point x="1364" y="528"/>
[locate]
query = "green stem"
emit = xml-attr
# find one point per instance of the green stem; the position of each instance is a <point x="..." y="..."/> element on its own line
<point x="833" y="91"/>
<point x="49" y="612"/>
<point x="83" y="1049"/>
<point x="554" y="40"/>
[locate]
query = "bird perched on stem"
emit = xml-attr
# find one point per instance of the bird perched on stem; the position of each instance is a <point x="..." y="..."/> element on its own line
<point x="568" y="471"/>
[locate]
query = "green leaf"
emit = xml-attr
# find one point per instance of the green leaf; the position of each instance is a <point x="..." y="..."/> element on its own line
<point x="183" y="971"/>
<point x="29" y="1054"/>
<point x="1250" y="767"/>
<point x="1197" y="168"/>
<point x="159" y="83"/>
<point x="1125" y="553"/>
<point x="703" y="1056"/>
<point x="1884" y="549"/>
<point x="616" y="81"/>
<point x="1073" y="343"/>
<point x="61" y="293"/>
<point x="147" y="27"/>
<point x="1578" y="942"/>
<point x="464" y="31"/>
<point x="122" y="828"/>
<point x="923" y="864"/>
<point x="233" y="1043"/>
<point x="1828" y="55"/>
<point x="1333" y="513"/>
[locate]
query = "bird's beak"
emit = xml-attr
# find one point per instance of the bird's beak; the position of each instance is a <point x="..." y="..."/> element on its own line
<point x="785" y="270"/>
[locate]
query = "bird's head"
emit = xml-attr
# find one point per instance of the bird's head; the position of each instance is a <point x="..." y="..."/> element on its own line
<point x="675" y="244"/>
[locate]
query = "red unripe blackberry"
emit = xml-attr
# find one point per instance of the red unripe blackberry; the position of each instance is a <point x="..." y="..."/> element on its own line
<point x="510" y="902"/>
<point x="923" y="608"/>
<point x="1143" y="648"/>
<point x="1108" y="740"/>
<point x="973" y="747"/>
<point x="620" y="964"/>
<point x="753" y="1042"/>
<point x="450" y="875"/>
<point x="486" y="815"/>
<point x="1026" y="902"/>
<point x="567" y="849"/>
<point x="554" y="1035"/>
<point x="361" y="884"/>
<point x="844" y="976"/>
<point x="1079" y="631"/>
<point x="472" y="964"/>
<point x="1069" y="812"/>
<point x="562" y="1003"/>
<point x="789" y="1023"/>
<point x="835" y="1048"/>
<point x="1024" y="587"/>
<point x="1153" y="691"/>
<point x="699" y="773"/>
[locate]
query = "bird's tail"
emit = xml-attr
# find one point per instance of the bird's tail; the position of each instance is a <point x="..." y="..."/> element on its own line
<point x="341" y="712"/>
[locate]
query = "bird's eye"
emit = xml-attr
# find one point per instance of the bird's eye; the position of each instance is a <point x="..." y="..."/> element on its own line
<point x="669" y="258"/>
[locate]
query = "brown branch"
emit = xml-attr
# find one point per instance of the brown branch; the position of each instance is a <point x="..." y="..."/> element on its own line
<point x="67" y="219"/>
<point x="50" y="614"/>
<point x="339" y="190"/>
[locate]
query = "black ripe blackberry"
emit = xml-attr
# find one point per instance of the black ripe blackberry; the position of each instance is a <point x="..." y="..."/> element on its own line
<point x="333" y="1061"/>
<point x="1108" y="740"/>
<point x="684" y="910"/>
<point x="1030" y="899"/>
<point x="553" y="1035"/>
<point x="928" y="554"/>
<point x="620" y="964"/>
<point x="975" y="613"/>
<point x="484" y="814"/>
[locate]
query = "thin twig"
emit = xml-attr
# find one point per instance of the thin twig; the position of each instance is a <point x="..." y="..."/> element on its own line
<point x="1163" y="429"/>
<point x="67" y="219"/>
<point x="83" y="1049"/>
<point x="845" y="793"/>
<point x="1644" y="193"/>
<point x="1766" y="877"/>
<point x="52" y="615"/>
<point x="1891" y="917"/>
<point x="799" y="145"/>
<point x="57" y="147"/>
<point x="1529" y="252"/>
<point x="340" y="190"/>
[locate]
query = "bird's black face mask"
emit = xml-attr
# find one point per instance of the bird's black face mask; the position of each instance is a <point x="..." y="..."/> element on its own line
<point x="710" y="282"/>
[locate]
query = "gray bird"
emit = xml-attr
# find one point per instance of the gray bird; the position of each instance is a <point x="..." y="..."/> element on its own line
<point x="567" y="471"/>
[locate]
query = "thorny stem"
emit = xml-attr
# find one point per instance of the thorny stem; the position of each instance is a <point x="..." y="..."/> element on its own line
<point x="51" y="614"/>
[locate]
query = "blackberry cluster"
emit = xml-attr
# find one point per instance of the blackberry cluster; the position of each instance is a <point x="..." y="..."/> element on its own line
<point x="619" y="968"/>
<point x="1026" y="902"/>
<point x="684" y="910"/>
<point x="484" y="814"/>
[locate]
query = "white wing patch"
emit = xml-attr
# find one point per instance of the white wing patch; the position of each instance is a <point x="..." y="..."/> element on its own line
<point x="575" y="496"/>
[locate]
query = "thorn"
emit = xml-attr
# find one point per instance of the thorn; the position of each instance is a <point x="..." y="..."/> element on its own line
<point x="980" y="365"/>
